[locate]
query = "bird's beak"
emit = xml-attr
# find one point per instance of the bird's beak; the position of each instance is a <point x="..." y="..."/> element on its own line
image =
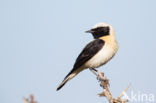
<point x="89" y="31"/>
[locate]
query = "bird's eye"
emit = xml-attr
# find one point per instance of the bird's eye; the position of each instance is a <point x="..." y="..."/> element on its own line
<point x="103" y="30"/>
<point x="93" y="29"/>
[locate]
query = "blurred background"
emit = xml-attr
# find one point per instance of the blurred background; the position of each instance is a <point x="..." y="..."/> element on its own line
<point x="40" y="40"/>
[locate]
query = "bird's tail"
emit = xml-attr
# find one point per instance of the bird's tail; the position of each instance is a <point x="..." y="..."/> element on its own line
<point x="62" y="84"/>
<point x="70" y="75"/>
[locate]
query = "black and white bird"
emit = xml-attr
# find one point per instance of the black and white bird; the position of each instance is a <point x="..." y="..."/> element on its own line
<point x="96" y="53"/>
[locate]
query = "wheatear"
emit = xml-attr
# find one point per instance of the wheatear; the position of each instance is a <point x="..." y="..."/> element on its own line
<point x="96" y="53"/>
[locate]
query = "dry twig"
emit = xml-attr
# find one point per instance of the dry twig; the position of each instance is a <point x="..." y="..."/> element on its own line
<point x="104" y="83"/>
<point x="30" y="99"/>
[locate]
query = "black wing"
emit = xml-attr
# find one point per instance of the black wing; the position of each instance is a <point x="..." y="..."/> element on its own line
<point x="87" y="53"/>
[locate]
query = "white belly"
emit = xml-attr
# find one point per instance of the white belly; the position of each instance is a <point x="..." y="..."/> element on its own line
<point x="102" y="57"/>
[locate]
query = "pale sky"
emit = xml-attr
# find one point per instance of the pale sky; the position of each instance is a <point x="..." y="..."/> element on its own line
<point x="40" y="40"/>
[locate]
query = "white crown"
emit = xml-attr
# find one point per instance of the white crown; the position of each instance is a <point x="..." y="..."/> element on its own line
<point x="101" y="25"/>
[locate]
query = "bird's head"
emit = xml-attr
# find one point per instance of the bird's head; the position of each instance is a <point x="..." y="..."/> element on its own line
<point x="100" y="30"/>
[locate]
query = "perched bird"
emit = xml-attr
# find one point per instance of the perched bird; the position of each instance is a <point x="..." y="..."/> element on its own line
<point x="96" y="53"/>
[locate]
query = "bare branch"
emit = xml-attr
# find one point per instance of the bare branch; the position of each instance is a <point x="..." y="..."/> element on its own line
<point x="30" y="99"/>
<point x="104" y="83"/>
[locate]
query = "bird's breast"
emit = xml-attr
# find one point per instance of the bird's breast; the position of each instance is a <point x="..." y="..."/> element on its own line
<point x="103" y="56"/>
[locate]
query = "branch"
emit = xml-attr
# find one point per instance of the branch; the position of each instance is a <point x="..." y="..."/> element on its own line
<point x="104" y="83"/>
<point x="30" y="99"/>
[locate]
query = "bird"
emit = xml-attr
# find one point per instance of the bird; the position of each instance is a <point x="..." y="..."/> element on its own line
<point x="96" y="53"/>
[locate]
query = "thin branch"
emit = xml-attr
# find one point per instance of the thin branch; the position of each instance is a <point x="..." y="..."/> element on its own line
<point x="104" y="83"/>
<point x="30" y="99"/>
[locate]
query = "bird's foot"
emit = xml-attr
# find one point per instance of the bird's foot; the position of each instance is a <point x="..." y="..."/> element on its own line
<point x="100" y="75"/>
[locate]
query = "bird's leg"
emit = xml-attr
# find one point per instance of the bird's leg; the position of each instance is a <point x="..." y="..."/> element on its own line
<point x="94" y="71"/>
<point x="99" y="75"/>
